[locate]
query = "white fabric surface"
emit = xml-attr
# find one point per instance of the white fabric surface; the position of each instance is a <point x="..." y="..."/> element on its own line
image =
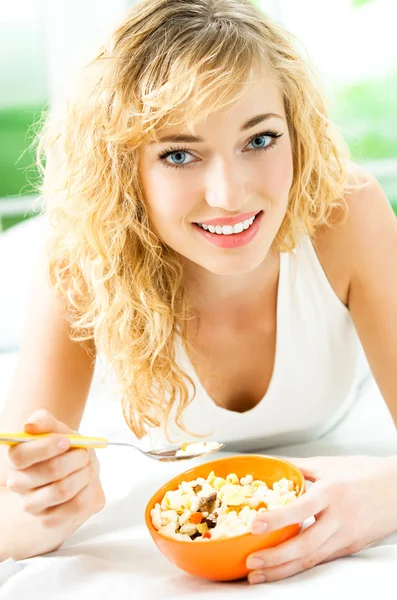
<point x="8" y="568"/>
<point x="112" y="555"/>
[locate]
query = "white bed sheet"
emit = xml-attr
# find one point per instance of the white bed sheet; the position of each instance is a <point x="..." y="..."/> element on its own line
<point x="112" y="555"/>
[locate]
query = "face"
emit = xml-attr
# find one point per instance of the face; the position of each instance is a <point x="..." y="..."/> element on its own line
<point x="219" y="197"/>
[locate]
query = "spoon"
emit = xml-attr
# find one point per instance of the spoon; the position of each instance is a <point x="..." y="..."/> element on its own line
<point x="173" y="453"/>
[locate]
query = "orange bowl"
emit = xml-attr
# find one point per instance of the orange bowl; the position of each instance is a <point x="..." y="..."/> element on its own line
<point x="224" y="559"/>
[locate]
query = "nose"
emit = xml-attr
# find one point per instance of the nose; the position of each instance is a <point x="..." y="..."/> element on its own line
<point x="227" y="187"/>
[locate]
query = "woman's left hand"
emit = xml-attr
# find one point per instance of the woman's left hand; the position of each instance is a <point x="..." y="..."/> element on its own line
<point x="354" y="502"/>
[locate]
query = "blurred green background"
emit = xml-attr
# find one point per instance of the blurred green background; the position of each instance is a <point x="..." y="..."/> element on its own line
<point x="18" y="172"/>
<point x="363" y="100"/>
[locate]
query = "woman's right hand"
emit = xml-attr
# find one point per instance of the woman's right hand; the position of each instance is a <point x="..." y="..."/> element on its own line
<point x="59" y="485"/>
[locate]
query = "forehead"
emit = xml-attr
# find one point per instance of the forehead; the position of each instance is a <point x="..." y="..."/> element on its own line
<point x="259" y="94"/>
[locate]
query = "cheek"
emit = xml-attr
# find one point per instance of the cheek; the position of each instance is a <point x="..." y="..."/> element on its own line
<point x="167" y="196"/>
<point x="278" y="175"/>
<point x="167" y="206"/>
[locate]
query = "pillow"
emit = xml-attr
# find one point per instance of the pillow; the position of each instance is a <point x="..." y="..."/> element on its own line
<point x="20" y="249"/>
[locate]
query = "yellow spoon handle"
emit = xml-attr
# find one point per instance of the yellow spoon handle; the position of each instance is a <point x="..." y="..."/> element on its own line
<point x="77" y="441"/>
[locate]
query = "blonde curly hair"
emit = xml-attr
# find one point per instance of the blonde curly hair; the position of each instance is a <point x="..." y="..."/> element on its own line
<point x="170" y="62"/>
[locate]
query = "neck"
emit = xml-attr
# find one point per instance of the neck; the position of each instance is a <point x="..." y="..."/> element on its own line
<point x="224" y="296"/>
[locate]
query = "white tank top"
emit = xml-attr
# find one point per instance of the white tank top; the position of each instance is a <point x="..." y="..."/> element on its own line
<point x="314" y="380"/>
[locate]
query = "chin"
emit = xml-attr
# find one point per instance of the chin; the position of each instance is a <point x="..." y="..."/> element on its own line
<point x="234" y="266"/>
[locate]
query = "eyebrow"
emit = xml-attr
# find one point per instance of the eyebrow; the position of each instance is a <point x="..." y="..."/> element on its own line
<point x="185" y="138"/>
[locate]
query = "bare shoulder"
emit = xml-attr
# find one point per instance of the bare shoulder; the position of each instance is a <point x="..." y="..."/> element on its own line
<point x="345" y="248"/>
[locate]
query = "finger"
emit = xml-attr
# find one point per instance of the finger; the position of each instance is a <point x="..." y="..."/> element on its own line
<point x="44" y="473"/>
<point x="304" y="544"/>
<point x="26" y="454"/>
<point x="88" y="501"/>
<point x="314" y="501"/>
<point x="294" y="567"/>
<point x="42" y="421"/>
<point x="94" y="460"/>
<point x="59" y="492"/>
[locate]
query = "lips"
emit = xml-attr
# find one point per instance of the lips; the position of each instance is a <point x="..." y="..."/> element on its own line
<point x="235" y="240"/>
<point x="228" y="220"/>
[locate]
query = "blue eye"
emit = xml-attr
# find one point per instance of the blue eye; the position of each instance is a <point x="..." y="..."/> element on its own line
<point x="261" y="141"/>
<point x="178" y="157"/>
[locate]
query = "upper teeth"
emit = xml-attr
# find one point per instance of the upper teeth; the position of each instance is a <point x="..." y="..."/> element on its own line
<point x="228" y="229"/>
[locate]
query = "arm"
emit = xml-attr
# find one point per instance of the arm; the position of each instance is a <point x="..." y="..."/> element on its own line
<point x="371" y="234"/>
<point x="53" y="373"/>
<point x="359" y="258"/>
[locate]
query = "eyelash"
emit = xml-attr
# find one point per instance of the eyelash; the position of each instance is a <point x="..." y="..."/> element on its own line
<point x="273" y="134"/>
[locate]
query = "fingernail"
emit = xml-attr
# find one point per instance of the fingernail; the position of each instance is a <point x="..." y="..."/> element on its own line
<point x="259" y="527"/>
<point x="35" y="422"/>
<point x="256" y="578"/>
<point x="255" y="563"/>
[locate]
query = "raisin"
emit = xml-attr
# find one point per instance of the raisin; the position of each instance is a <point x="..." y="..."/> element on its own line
<point x="211" y="522"/>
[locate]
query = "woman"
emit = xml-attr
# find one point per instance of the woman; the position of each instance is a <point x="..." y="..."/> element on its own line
<point x="210" y="238"/>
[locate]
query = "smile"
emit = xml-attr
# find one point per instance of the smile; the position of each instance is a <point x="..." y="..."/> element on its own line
<point x="231" y="236"/>
<point x="228" y="229"/>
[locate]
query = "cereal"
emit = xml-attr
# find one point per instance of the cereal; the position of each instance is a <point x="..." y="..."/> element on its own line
<point x="218" y="508"/>
<point x="190" y="449"/>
